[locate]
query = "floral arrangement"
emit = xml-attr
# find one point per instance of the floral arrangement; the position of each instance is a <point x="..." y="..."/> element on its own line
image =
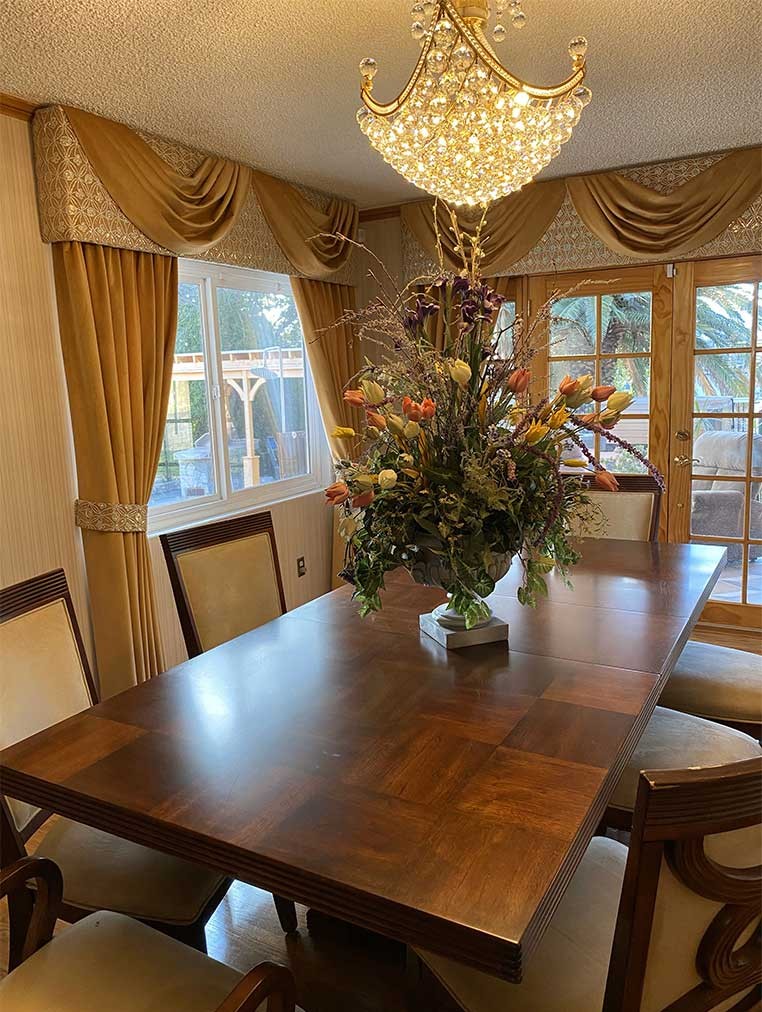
<point x="455" y="461"/>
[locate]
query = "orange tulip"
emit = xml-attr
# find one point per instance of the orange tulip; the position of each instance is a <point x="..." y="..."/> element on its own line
<point x="588" y="418"/>
<point x="428" y="407"/>
<point x="337" y="493"/>
<point x="364" y="499"/>
<point x="605" y="480"/>
<point x="568" y="386"/>
<point x="518" y="381"/>
<point x="374" y="418"/>
<point x="602" y="393"/>
<point x="354" y="397"/>
<point x="412" y="409"/>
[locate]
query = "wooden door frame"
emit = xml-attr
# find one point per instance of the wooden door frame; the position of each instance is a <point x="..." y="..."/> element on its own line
<point x="655" y="278"/>
<point x="688" y="277"/>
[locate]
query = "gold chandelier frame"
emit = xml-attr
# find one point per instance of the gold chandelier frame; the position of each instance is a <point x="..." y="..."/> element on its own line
<point x="469" y="26"/>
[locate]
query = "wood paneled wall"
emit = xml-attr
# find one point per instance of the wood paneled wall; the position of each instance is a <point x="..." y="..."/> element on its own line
<point x="37" y="475"/>
<point x="384" y="238"/>
<point x="37" y="471"/>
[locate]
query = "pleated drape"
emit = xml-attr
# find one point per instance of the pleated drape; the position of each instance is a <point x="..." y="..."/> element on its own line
<point x="118" y="316"/>
<point x="185" y="214"/>
<point x="334" y="356"/>
<point x="310" y="238"/>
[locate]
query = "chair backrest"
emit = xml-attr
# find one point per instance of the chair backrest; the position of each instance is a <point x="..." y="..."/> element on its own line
<point x="687" y="934"/>
<point x="44" y="674"/>
<point x="632" y="513"/>
<point x="225" y="578"/>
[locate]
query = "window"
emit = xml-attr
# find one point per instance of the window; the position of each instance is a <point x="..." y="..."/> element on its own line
<point x="243" y="426"/>
<point x="609" y="337"/>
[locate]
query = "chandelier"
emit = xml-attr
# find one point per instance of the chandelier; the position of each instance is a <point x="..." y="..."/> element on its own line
<point x="463" y="128"/>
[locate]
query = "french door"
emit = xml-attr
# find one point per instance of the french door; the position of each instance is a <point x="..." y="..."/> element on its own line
<point x="615" y="325"/>
<point x="715" y="476"/>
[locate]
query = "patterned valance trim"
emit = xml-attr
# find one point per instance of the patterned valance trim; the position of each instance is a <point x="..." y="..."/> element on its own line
<point x="113" y="517"/>
<point x="628" y="217"/>
<point x="100" y="182"/>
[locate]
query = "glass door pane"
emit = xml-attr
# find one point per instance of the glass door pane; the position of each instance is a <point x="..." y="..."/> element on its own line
<point x="186" y="466"/>
<point x="609" y="336"/>
<point x="726" y="464"/>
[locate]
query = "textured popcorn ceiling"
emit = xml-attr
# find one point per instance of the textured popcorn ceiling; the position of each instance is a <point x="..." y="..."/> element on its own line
<point x="276" y="84"/>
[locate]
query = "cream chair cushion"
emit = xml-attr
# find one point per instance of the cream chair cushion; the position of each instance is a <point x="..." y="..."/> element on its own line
<point x="627" y="515"/>
<point x="678" y="741"/>
<point x="716" y="682"/>
<point x="568" y="970"/>
<point x="42" y="680"/>
<point x="231" y="588"/>
<point x="110" y="963"/>
<point x="100" y="870"/>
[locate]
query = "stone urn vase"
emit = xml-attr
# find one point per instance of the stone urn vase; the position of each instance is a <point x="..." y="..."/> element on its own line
<point x="430" y="569"/>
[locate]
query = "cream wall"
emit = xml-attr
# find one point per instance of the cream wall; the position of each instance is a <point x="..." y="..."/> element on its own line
<point x="37" y="477"/>
<point x="37" y="470"/>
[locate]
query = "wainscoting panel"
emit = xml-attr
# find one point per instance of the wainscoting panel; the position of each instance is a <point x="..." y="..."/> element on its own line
<point x="37" y="473"/>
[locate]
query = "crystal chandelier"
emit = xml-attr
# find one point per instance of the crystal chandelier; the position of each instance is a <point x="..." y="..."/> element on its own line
<point x="463" y="128"/>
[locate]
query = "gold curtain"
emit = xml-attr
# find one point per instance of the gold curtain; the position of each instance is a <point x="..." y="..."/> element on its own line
<point x="635" y="220"/>
<point x="185" y="214"/>
<point x="303" y="231"/>
<point x="513" y="226"/>
<point x="334" y="359"/>
<point x="118" y="312"/>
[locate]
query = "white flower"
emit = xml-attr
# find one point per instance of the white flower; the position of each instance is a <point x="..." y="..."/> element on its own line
<point x="387" y="478"/>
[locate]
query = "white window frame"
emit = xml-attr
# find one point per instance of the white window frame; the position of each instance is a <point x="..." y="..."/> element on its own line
<point x="226" y="501"/>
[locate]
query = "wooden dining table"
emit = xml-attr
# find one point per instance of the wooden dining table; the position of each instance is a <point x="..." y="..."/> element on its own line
<point x="441" y="798"/>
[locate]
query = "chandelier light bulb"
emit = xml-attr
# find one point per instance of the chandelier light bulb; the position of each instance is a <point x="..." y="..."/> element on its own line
<point x="464" y="128"/>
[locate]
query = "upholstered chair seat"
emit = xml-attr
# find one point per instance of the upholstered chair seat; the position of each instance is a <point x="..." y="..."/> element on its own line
<point x="719" y="683"/>
<point x="111" y="963"/>
<point x="568" y="970"/>
<point x="101" y="870"/>
<point x="673" y="741"/>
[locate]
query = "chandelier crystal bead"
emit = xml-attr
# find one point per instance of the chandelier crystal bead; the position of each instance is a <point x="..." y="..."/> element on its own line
<point x="464" y="128"/>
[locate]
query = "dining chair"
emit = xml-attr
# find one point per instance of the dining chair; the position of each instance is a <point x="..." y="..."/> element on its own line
<point x="44" y="678"/>
<point x="670" y="924"/>
<point x="111" y="963"/>
<point x="711" y="681"/>
<point x="632" y="513"/>
<point x="225" y="579"/>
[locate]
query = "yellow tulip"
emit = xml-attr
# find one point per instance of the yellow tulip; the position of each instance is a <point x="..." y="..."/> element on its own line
<point x="582" y="393"/>
<point x="372" y="432"/>
<point x="412" y="430"/>
<point x="405" y="458"/>
<point x="574" y="462"/>
<point x="535" y="433"/>
<point x="343" y="432"/>
<point x="365" y="479"/>
<point x="347" y="527"/>
<point x="374" y="393"/>
<point x="619" y="401"/>
<point x="387" y="478"/>
<point x="395" y="425"/>
<point x="558" y="418"/>
<point x="460" y="371"/>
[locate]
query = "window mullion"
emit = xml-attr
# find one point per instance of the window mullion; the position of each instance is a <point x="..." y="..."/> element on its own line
<point x="214" y="357"/>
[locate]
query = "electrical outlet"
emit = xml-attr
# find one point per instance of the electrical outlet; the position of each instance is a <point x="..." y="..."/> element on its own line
<point x="301" y="568"/>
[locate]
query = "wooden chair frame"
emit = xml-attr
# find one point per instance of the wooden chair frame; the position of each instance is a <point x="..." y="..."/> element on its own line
<point x="18" y="600"/>
<point x="644" y="483"/>
<point x="674" y="812"/>
<point x="266" y="981"/>
<point x="175" y="543"/>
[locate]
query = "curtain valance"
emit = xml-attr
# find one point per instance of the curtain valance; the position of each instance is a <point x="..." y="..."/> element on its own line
<point x="513" y="225"/>
<point x="304" y="232"/>
<point x="629" y="218"/>
<point x="184" y="214"/>
<point x="101" y="182"/>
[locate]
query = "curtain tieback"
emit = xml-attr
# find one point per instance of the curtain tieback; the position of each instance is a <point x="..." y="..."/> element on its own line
<point x="125" y="518"/>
